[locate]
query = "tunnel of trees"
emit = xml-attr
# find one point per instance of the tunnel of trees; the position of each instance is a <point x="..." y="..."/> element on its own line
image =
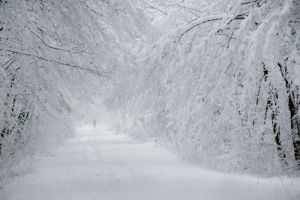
<point x="217" y="80"/>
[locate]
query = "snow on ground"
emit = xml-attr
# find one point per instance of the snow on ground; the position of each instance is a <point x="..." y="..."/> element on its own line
<point x="99" y="165"/>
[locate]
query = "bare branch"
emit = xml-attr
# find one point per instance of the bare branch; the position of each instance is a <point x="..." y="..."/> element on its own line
<point x="52" y="47"/>
<point x="93" y="10"/>
<point x="8" y="63"/>
<point x="248" y="2"/>
<point x="238" y="17"/>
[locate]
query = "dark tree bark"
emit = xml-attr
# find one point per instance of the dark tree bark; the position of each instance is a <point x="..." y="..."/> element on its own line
<point x="293" y="104"/>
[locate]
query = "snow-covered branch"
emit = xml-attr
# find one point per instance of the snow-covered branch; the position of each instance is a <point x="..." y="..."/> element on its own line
<point x="54" y="61"/>
<point x="199" y="22"/>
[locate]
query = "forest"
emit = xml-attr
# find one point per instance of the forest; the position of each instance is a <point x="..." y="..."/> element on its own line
<point x="216" y="82"/>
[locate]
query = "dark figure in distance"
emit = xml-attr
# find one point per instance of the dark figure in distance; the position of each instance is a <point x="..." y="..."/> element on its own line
<point x="94" y="123"/>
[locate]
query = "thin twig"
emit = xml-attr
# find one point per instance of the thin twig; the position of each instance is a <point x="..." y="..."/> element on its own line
<point x="52" y="47"/>
<point x="8" y="63"/>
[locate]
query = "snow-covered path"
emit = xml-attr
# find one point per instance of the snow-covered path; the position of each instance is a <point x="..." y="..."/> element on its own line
<point x="98" y="165"/>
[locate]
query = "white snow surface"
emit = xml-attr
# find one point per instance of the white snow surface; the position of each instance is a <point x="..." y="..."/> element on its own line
<point x="99" y="165"/>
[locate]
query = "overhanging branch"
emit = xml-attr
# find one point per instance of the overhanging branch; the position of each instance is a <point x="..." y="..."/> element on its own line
<point x="202" y="21"/>
<point x="55" y="61"/>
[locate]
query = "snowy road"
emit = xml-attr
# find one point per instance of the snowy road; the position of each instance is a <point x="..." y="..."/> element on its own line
<point x="97" y="165"/>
